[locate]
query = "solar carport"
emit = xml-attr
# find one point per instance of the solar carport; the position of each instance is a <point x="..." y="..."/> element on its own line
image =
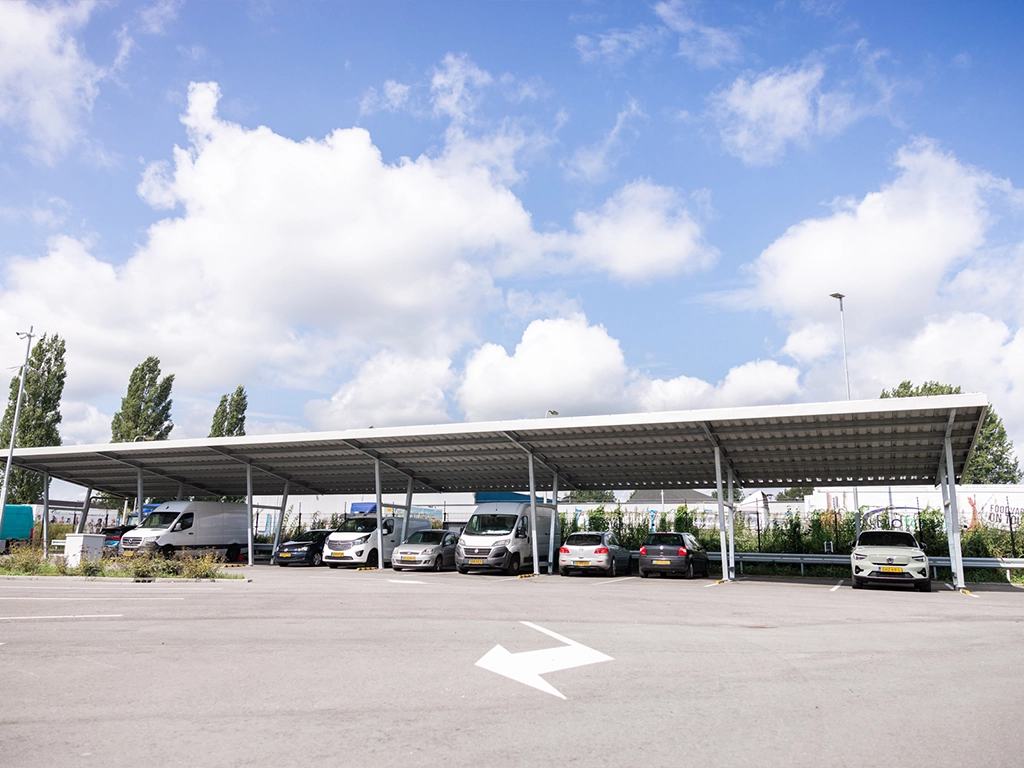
<point x="902" y="441"/>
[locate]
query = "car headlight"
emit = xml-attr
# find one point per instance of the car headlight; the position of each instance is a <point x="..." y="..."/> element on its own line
<point x="360" y="540"/>
<point x="918" y="558"/>
<point x="428" y="551"/>
<point x="502" y="543"/>
<point x="859" y="556"/>
<point x="302" y="549"/>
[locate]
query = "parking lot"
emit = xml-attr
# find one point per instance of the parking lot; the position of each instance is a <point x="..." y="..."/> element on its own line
<point x="305" y="666"/>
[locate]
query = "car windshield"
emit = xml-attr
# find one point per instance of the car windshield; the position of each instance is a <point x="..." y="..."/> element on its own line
<point x="358" y="525"/>
<point x="491" y="524"/>
<point x="159" y="519"/>
<point x="310" y="536"/>
<point x="426" y="537"/>
<point x="584" y="539"/>
<point x="886" y="539"/>
<point x="668" y="539"/>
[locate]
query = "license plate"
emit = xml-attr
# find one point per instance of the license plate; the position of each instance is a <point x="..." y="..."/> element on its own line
<point x="408" y="558"/>
<point x="128" y="554"/>
<point x="476" y="561"/>
<point x="891" y="569"/>
<point x="284" y="554"/>
<point x="337" y="554"/>
<point x="581" y="563"/>
<point x="662" y="562"/>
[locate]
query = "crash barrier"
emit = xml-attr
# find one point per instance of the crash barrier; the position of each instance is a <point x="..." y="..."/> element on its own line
<point x="1005" y="563"/>
<point x="57" y="544"/>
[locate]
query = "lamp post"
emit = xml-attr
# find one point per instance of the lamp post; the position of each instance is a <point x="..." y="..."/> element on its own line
<point x="846" y="368"/>
<point x="14" y="425"/>
<point x="550" y="412"/>
<point x="842" y="325"/>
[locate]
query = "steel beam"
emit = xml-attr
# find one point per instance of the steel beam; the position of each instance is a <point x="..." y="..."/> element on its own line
<point x="721" y="513"/>
<point x="250" y="538"/>
<point x="554" y="521"/>
<point x="248" y="462"/>
<point x="392" y="464"/>
<point x="533" y="519"/>
<point x="380" y="513"/>
<point x="280" y="521"/>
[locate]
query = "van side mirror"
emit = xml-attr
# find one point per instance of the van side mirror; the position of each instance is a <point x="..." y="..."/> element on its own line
<point x="922" y="546"/>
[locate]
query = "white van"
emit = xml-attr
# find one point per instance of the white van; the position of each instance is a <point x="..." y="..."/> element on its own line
<point x="191" y="527"/>
<point x="355" y="540"/>
<point x="497" y="537"/>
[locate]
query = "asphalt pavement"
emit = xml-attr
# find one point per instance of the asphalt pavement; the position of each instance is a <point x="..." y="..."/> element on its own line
<point x="303" y="666"/>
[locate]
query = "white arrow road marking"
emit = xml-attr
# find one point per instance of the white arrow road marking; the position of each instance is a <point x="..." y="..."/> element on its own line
<point x="527" y="667"/>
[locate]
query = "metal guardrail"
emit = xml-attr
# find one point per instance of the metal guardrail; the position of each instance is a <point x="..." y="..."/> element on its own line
<point x="1003" y="563"/>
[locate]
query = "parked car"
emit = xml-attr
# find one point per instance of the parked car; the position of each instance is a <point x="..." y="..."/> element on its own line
<point x="112" y="536"/>
<point x="434" y="549"/>
<point x="889" y="557"/>
<point x="307" y="548"/>
<point x="669" y="553"/>
<point x="588" y="552"/>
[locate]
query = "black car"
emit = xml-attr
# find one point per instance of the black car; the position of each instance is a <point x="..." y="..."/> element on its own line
<point x="305" y="548"/>
<point x="112" y="536"/>
<point x="670" y="553"/>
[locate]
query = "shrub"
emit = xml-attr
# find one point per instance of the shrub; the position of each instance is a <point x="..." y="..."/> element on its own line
<point x="201" y="567"/>
<point x="23" y="560"/>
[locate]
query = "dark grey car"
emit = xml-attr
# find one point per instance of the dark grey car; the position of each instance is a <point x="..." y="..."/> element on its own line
<point x="670" y="553"/>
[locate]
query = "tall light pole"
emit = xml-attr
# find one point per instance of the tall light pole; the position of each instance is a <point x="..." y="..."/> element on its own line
<point x="14" y="425"/>
<point x="842" y="325"/>
<point x="846" y="367"/>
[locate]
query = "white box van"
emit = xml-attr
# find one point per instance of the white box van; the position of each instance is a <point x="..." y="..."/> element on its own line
<point x="193" y="527"/>
<point x="355" y="540"/>
<point x="498" y="537"/>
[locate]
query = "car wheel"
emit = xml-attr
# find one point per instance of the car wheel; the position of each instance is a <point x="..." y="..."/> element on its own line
<point x="332" y="565"/>
<point x="857" y="583"/>
<point x="395" y="568"/>
<point x="462" y="570"/>
<point x="317" y="559"/>
<point x="613" y="571"/>
<point x="439" y="563"/>
<point x="689" y="570"/>
<point x="283" y="565"/>
<point x="563" y="572"/>
<point x="167" y="552"/>
<point x="371" y="559"/>
<point x="513" y="566"/>
<point x="233" y="553"/>
<point x="925" y="586"/>
<point x="643" y="574"/>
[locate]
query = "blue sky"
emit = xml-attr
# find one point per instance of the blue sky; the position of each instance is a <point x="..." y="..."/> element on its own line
<point x="405" y="213"/>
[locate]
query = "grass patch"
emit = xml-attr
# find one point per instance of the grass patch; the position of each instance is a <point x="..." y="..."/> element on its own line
<point x="29" y="561"/>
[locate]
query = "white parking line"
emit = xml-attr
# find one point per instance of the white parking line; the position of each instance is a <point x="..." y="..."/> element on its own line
<point x="950" y="587"/>
<point x="72" y="616"/>
<point x="82" y="599"/>
<point x="712" y="584"/>
<point x="614" y="581"/>
<point x="405" y="581"/>
<point x="837" y="586"/>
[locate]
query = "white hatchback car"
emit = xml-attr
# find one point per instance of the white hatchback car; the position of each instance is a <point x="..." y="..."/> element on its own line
<point x="889" y="557"/>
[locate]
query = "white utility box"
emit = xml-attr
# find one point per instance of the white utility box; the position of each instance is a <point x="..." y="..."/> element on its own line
<point x="79" y="546"/>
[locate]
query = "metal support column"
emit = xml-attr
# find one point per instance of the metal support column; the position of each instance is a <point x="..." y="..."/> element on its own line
<point x="85" y="510"/>
<point x="856" y="515"/>
<point x="408" y="509"/>
<point x="46" y="514"/>
<point x="280" y="519"/>
<point x="181" y="491"/>
<point x="731" y="506"/>
<point x="138" y="494"/>
<point x="380" y="514"/>
<point x="533" y="518"/>
<point x="956" y="561"/>
<point x="721" y="512"/>
<point x="248" y="507"/>
<point x="554" y="522"/>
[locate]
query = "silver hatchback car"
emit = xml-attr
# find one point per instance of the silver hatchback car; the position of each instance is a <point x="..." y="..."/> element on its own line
<point x="601" y="552"/>
<point x="428" y="549"/>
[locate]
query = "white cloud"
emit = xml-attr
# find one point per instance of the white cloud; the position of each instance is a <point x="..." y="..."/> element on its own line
<point x="705" y="46"/>
<point x="388" y="390"/>
<point x="394" y="96"/>
<point x="593" y="163"/>
<point x="155" y="18"/>
<point x="456" y="85"/>
<point x="618" y="46"/>
<point x="47" y="83"/>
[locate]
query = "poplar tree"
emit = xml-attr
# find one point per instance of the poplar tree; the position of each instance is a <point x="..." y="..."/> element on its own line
<point x="229" y="417"/>
<point x="40" y="417"/>
<point x="993" y="460"/>
<point x="146" y="408"/>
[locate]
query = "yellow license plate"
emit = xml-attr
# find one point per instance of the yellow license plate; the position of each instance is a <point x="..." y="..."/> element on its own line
<point x="408" y="558"/>
<point x="582" y="563"/>
<point x="337" y="554"/>
<point x="663" y="562"/>
<point x="891" y="569"/>
<point x="284" y="554"/>
<point x="128" y="554"/>
<point x="476" y="561"/>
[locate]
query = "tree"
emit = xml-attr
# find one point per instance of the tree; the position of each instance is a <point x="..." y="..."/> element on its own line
<point x="229" y="418"/>
<point x="796" y="493"/>
<point x="146" y="408"/>
<point x="40" y="417"/>
<point x="590" y="497"/>
<point x="993" y="460"/>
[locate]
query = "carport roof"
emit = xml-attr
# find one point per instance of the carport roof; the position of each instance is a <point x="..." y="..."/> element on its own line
<point x="869" y="442"/>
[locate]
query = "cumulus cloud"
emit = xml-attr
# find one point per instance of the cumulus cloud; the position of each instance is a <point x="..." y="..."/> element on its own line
<point x="47" y="83"/>
<point x="592" y="163"/>
<point x="393" y="97"/>
<point x="578" y="369"/>
<point x="456" y="87"/>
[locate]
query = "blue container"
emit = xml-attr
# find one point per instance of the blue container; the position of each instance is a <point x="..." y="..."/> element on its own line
<point x="18" y="522"/>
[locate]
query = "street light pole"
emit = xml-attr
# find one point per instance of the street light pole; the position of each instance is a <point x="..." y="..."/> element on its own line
<point x="846" y="368"/>
<point x="842" y="325"/>
<point x="14" y="425"/>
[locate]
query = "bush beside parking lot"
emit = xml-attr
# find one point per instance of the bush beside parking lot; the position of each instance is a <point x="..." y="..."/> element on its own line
<point x="29" y="561"/>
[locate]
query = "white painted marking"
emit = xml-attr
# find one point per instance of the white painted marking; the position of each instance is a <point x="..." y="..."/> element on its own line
<point x="405" y="581"/>
<point x="712" y="584"/>
<point x="971" y="594"/>
<point x="72" y="616"/>
<point x="837" y="586"/>
<point x="527" y="667"/>
<point x="85" y="599"/>
<point x="950" y="587"/>
<point x="619" y="580"/>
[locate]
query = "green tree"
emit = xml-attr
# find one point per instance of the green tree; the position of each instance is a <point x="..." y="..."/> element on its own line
<point x="229" y="418"/>
<point x="146" y="408"/>
<point x="591" y="497"/>
<point x="993" y="460"/>
<point x="40" y="417"/>
<point x="796" y="493"/>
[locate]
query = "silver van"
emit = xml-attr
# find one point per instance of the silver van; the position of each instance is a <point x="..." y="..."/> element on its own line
<point x="498" y="537"/>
